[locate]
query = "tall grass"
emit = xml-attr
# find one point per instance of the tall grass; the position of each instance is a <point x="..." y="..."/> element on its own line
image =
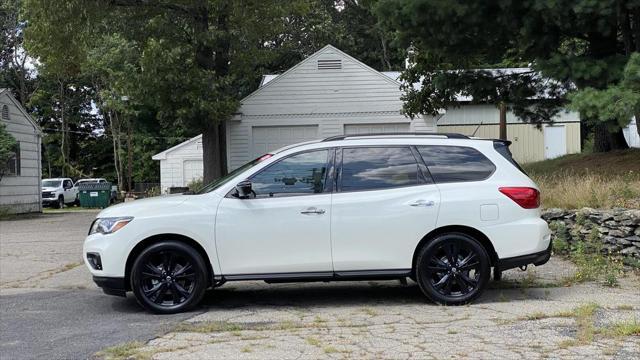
<point x="569" y="190"/>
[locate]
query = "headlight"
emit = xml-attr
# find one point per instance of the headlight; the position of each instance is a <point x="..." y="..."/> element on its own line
<point x="109" y="225"/>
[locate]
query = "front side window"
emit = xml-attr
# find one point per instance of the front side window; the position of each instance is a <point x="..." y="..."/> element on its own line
<point x="456" y="163"/>
<point x="67" y="184"/>
<point x="376" y="168"/>
<point x="300" y="174"/>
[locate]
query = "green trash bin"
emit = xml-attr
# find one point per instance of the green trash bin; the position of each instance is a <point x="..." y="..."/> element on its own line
<point x="95" y="195"/>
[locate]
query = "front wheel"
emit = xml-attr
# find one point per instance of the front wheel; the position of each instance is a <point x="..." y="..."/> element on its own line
<point x="60" y="204"/>
<point x="453" y="269"/>
<point x="169" y="277"/>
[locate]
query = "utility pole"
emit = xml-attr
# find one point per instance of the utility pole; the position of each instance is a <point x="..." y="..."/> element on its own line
<point x="503" y="120"/>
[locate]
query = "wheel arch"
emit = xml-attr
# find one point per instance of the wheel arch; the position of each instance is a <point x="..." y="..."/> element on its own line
<point x="473" y="232"/>
<point x="133" y="254"/>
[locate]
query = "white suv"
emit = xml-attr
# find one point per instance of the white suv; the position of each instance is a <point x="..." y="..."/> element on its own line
<point x="441" y="209"/>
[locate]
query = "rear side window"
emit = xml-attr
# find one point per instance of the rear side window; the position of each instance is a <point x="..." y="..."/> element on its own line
<point x="376" y="168"/>
<point x="456" y="163"/>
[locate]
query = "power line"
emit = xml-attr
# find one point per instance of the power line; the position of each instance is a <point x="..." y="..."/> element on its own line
<point x="110" y="135"/>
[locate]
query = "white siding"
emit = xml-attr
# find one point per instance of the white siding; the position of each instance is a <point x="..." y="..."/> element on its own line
<point x="172" y="167"/>
<point x="631" y="134"/>
<point x="327" y="99"/>
<point x="22" y="193"/>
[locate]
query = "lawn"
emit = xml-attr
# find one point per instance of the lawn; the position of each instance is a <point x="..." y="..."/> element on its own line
<point x="603" y="180"/>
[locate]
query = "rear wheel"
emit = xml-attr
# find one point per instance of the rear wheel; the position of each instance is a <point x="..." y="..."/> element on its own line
<point x="453" y="269"/>
<point x="169" y="277"/>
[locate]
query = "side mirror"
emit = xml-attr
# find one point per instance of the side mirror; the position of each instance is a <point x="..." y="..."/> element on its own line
<point x="244" y="190"/>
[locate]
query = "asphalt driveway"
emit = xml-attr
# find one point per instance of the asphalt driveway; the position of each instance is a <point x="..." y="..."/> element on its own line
<point x="49" y="306"/>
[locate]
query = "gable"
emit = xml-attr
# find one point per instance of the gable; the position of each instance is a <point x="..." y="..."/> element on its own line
<point x="328" y="81"/>
<point x="187" y="148"/>
<point x="18" y="116"/>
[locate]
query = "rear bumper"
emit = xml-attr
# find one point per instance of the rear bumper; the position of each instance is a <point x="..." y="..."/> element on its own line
<point x="111" y="285"/>
<point x="538" y="258"/>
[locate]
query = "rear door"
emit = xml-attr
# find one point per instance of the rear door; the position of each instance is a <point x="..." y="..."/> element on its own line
<point x="384" y="205"/>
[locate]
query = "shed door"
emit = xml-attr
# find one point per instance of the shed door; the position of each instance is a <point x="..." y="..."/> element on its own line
<point x="192" y="170"/>
<point x="269" y="138"/>
<point x="354" y="129"/>
<point x="555" y="141"/>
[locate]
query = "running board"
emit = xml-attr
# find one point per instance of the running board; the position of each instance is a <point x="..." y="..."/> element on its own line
<point x="325" y="276"/>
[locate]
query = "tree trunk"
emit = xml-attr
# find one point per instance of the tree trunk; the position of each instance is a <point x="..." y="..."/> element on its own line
<point x="211" y="156"/>
<point x="604" y="140"/>
<point x="601" y="138"/>
<point x="637" y="116"/>
<point x="503" y="121"/>
<point x="617" y="139"/>
<point x="63" y="143"/>
<point x="129" y="156"/>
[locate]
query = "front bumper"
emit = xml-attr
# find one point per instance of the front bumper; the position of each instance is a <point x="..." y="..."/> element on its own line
<point x="538" y="258"/>
<point x="111" y="285"/>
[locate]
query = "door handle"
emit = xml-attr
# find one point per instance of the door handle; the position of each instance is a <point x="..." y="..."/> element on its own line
<point x="312" y="210"/>
<point x="423" y="203"/>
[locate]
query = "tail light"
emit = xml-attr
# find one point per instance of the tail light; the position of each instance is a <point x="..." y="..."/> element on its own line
<point x="526" y="197"/>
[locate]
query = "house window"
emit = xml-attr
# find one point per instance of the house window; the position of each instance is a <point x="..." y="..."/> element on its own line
<point x="13" y="164"/>
<point x="5" y="112"/>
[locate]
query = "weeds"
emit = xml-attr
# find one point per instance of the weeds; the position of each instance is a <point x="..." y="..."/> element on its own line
<point x="128" y="350"/>
<point x="587" y="254"/>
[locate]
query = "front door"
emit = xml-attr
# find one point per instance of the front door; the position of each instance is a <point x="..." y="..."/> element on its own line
<point x="284" y="227"/>
<point x="69" y="194"/>
<point x="385" y="204"/>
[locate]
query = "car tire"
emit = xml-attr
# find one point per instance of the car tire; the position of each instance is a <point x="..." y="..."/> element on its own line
<point x="453" y="269"/>
<point x="169" y="277"/>
<point x="60" y="203"/>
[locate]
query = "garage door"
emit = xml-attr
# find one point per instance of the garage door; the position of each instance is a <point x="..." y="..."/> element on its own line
<point x="191" y="170"/>
<point x="354" y="129"/>
<point x="269" y="138"/>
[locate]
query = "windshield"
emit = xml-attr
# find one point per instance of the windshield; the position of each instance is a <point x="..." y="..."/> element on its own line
<point x="51" y="183"/>
<point x="223" y="180"/>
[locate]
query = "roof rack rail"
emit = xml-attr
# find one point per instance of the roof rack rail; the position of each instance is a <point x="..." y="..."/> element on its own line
<point x="447" y="135"/>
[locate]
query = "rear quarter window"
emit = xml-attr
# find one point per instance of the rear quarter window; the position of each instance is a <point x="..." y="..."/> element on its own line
<point x="456" y="163"/>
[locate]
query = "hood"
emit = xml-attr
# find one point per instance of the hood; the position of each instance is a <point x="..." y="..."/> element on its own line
<point x="50" y="188"/>
<point x="145" y="207"/>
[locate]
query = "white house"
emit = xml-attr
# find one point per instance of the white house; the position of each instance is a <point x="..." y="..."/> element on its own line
<point x="20" y="190"/>
<point x="329" y="93"/>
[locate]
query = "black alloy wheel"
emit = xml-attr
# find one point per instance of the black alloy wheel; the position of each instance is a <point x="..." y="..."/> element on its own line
<point x="169" y="277"/>
<point x="453" y="269"/>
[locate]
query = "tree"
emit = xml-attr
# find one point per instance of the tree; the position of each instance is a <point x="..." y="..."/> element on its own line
<point x="198" y="58"/>
<point x="15" y="71"/>
<point x="616" y="104"/>
<point x="7" y="149"/>
<point x="581" y="43"/>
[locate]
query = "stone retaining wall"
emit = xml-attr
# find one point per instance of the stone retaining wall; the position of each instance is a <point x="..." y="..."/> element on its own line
<point x="617" y="229"/>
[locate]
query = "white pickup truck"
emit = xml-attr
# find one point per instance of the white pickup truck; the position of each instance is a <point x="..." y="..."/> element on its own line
<point x="59" y="192"/>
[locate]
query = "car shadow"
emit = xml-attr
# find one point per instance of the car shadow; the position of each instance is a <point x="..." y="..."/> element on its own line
<point x="372" y="293"/>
